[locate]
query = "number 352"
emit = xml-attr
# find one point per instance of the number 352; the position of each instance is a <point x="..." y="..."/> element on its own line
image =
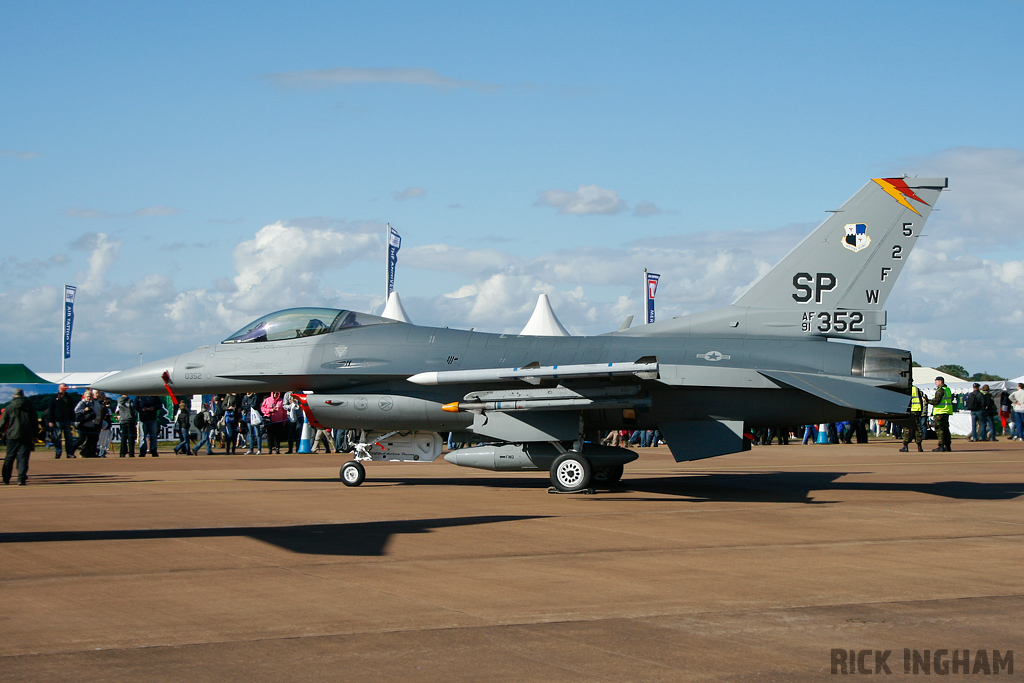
<point x="838" y="321"/>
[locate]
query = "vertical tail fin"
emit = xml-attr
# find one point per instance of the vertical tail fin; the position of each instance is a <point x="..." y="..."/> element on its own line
<point x="851" y="260"/>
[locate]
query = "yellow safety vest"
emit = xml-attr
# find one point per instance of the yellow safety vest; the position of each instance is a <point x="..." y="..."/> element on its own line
<point x="915" y="399"/>
<point x="945" y="406"/>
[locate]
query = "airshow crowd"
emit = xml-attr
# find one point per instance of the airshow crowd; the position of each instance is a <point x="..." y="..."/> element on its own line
<point x="233" y="422"/>
<point x="230" y="422"/>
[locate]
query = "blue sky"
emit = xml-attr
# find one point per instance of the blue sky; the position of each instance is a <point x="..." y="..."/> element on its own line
<point x="191" y="167"/>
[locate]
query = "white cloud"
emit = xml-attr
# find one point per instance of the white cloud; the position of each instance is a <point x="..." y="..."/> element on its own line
<point x="103" y="253"/>
<point x="347" y="76"/>
<point x="21" y="154"/>
<point x="502" y="296"/>
<point x="182" y="246"/>
<point x="957" y="308"/>
<point x="14" y="271"/>
<point x="409" y="193"/>
<point x="645" y="208"/>
<point x="503" y="302"/>
<point x="280" y="266"/>
<point x="592" y="199"/>
<point x="447" y="258"/>
<point x="986" y="191"/>
<point x="147" y="212"/>
<point x="698" y="272"/>
<point x="586" y="201"/>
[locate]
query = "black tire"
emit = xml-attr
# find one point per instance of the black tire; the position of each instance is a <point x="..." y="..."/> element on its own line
<point x="571" y="472"/>
<point x="608" y="476"/>
<point x="352" y="473"/>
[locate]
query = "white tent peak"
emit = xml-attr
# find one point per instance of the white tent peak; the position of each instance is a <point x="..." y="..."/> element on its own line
<point x="543" y="322"/>
<point x="925" y="375"/>
<point x="394" y="310"/>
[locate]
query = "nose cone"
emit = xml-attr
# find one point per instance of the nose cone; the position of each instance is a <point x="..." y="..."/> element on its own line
<point x="452" y="457"/>
<point x="141" y="381"/>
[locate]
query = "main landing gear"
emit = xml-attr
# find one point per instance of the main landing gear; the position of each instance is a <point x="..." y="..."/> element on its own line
<point x="572" y="472"/>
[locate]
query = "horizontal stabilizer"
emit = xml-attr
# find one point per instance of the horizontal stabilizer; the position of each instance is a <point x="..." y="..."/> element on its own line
<point x="844" y="392"/>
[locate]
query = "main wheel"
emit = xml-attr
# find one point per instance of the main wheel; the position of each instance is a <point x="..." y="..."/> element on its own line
<point x="352" y="473"/>
<point x="571" y="472"/>
<point x="608" y="476"/>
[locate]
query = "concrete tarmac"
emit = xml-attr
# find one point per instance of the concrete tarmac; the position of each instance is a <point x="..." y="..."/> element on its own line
<point x="753" y="566"/>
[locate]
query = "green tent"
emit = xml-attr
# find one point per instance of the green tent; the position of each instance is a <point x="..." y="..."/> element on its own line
<point x="17" y="373"/>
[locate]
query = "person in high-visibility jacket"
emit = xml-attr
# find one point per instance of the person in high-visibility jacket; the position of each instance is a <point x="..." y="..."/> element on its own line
<point x="943" y="402"/>
<point x="915" y="430"/>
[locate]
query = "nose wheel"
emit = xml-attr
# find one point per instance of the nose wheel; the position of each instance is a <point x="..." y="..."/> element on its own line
<point x="352" y="473"/>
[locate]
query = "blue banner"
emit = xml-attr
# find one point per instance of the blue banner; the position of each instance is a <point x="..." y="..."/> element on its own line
<point x="651" y="285"/>
<point x="394" y="244"/>
<point x="69" y="317"/>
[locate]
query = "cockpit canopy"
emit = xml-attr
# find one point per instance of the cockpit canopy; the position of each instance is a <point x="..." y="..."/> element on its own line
<point x="296" y="323"/>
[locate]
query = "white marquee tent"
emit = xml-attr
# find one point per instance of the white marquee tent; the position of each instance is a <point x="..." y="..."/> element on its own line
<point x="394" y="310"/>
<point x="543" y="322"/>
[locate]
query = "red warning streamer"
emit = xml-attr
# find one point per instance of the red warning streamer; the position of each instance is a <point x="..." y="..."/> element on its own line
<point x="166" y="377"/>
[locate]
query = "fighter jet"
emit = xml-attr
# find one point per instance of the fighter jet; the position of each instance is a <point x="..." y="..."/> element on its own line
<point x="779" y="355"/>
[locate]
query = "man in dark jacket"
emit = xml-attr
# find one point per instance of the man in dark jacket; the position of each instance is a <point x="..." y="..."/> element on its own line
<point x="183" y="426"/>
<point x="976" y="404"/>
<point x="149" y="408"/>
<point x="988" y="415"/>
<point x="60" y="418"/>
<point x="20" y="426"/>
<point x="127" y="420"/>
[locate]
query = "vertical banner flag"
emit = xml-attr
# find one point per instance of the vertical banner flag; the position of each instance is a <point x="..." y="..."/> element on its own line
<point x="394" y="244"/>
<point x="69" y="317"/>
<point x="651" y="285"/>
